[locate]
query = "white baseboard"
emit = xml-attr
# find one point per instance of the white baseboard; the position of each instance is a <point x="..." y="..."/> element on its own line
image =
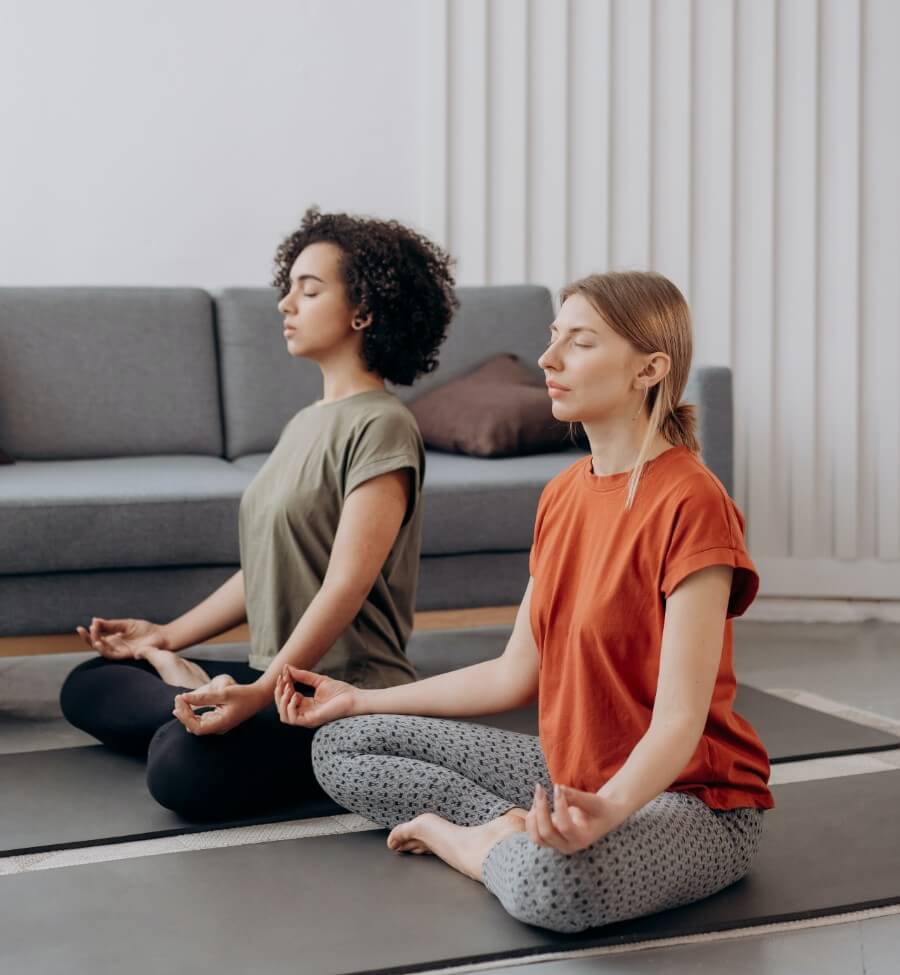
<point x="869" y="580"/>
<point x="772" y="609"/>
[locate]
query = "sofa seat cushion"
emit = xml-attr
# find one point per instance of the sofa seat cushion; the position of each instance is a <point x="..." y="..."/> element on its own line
<point x="476" y="504"/>
<point x="122" y="512"/>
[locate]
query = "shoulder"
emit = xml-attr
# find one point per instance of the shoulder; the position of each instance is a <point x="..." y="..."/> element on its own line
<point x="375" y="414"/>
<point x="381" y="427"/>
<point x="565" y="481"/>
<point x="389" y="419"/>
<point x="687" y="478"/>
<point x="690" y="491"/>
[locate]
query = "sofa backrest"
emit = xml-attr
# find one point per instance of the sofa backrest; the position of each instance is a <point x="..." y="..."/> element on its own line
<point x="491" y="320"/>
<point x="709" y="389"/>
<point x="103" y="372"/>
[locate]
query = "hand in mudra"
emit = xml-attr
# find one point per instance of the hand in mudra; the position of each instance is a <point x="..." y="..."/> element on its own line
<point x="231" y="704"/>
<point x="577" y="819"/>
<point x="126" y="639"/>
<point x="333" y="699"/>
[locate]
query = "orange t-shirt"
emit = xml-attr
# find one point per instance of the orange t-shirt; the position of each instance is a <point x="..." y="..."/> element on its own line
<point x="601" y="576"/>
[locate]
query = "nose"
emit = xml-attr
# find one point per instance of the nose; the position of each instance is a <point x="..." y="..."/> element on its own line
<point x="548" y="359"/>
<point x="284" y="304"/>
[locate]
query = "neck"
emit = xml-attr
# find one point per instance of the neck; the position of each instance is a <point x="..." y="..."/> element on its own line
<point x="615" y="445"/>
<point x="343" y="379"/>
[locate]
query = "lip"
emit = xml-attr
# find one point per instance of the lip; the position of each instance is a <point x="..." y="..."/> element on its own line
<point x="556" y="388"/>
<point x="289" y="329"/>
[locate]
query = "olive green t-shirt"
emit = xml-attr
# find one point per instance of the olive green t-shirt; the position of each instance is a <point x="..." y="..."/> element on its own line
<point x="288" y="520"/>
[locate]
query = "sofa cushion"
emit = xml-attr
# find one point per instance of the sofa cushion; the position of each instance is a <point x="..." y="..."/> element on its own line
<point x="107" y="372"/>
<point x="263" y="385"/>
<point x="478" y="504"/>
<point x="499" y="410"/>
<point x="123" y="512"/>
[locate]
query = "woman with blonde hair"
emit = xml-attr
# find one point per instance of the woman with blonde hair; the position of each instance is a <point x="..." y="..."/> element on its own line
<point x="644" y="789"/>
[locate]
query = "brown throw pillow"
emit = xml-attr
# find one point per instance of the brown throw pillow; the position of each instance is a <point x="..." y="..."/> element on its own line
<point x="5" y="458"/>
<point x="501" y="409"/>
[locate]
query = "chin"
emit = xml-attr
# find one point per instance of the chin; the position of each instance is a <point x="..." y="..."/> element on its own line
<point x="561" y="413"/>
<point x="297" y="349"/>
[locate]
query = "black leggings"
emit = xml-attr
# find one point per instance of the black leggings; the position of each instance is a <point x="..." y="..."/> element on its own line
<point x="258" y="766"/>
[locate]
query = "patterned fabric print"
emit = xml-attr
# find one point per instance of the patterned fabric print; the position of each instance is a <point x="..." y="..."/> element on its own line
<point x="391" y="768"/>
<point x="673" y="851"/>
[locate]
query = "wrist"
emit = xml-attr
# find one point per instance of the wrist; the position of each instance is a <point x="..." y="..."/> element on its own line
<point x="168" y="640"/>
<point x="361" y="701"/>
<point x="262" y="690"/>
<point x="619" y="806"/>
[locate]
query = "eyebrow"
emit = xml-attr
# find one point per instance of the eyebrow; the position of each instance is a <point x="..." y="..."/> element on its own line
<point x="577" y="328"/>
<point x="308" y="277"/>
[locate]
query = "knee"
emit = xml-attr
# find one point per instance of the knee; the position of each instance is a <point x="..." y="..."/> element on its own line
<point x="343" y="752"/>
<point x="331" y="744"/>
<point x="540" y="886"/>
<point x="343" y="739"/>
<point x="548" y="909"/>
<point x="173" y="772"/>
<point x="75" y="696"/>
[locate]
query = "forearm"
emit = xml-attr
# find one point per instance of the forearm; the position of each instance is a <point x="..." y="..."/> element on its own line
<point x="329" y="613"/>
<point x="653" y="765"/>
<point x="483" y="688"/>
<point x="219" y="612"/>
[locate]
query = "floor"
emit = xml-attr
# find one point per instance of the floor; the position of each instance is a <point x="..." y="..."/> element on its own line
<point x="852" y="669"/>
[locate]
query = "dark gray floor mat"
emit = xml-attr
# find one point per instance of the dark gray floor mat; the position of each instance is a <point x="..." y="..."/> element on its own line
<point x="345" y="904"/>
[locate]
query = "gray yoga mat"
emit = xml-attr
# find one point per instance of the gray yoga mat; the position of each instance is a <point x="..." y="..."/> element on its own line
<point x="88" y="796"/>
<point x="345" y="904"/>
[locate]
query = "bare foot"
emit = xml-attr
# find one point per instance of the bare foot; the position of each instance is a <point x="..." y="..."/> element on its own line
<point x="462" y="847"/>
<point x="173" y="669"/>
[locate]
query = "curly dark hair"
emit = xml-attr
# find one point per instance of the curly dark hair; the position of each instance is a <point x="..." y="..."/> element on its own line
<point x="401" y="278"/>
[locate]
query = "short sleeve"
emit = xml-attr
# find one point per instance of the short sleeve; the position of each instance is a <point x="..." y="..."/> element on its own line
<point x="708" y="529"/>
<point x="386" y="442"/>
<point x="538" y="521"/>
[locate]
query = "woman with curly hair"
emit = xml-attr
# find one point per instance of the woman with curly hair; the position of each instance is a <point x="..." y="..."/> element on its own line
<point x="330" y="533"/>
<point x="644" y="789"/>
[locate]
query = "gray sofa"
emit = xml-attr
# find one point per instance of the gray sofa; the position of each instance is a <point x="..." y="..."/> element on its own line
<point x="137" y="416"/>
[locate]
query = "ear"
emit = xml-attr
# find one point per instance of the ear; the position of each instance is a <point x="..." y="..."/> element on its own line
<point x="361" y="321"/>
<point x="655" y="368"/>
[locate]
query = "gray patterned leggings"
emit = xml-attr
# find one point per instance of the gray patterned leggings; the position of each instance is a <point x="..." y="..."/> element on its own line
<point x="674" y="850"/>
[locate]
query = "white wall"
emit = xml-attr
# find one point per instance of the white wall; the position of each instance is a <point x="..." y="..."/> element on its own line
<point x="747" y="148"/>
<point x="171" y="142"/>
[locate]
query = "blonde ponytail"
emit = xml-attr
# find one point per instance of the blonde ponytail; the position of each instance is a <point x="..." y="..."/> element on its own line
<point x="680" y="427"/>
